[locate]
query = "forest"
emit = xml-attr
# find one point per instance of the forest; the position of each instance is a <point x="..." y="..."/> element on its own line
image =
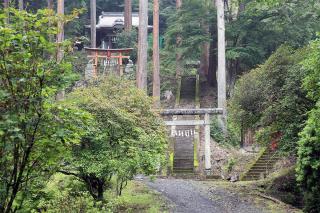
<point x="84" y="106"/>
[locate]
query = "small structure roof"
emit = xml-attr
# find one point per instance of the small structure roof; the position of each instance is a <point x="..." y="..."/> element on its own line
<point x="116" y="19"/>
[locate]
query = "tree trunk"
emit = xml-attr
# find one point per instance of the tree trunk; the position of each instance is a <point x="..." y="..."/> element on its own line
<point x="222" y="96"/>
<point x="212" y="75"/>
<point x="93" y="18"/>
<point x="60" y="38"/>
<point x="6" y="4"/>
<point x="178" y="4"/>
<point x="204" y="61"/>
<point x="156" y="57"/>
<point x="128" y="15"/>
<point x="50" y="4"/>
<point x="179" y="68"/>
<point x="21" y="5"/>
<point x="142" y="45"/>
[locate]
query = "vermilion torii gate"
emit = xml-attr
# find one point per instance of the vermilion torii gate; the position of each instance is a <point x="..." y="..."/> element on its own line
<point x="206" y="122"/>
<point x="108" y="54"/>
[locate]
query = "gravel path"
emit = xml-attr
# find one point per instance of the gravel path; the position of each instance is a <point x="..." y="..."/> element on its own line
<point x="193" y="196"/>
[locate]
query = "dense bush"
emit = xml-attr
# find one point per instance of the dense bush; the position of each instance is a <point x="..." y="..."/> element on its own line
<point x="308" y="168"/>
<point x="218" y="135"/>
<point x="270" y="98"/>
<point x="126" y="138"/>
<point x="35" y="131"/>
<point x="129" y="40"/>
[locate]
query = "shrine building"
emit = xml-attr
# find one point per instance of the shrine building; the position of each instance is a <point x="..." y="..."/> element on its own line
<point x="109" y="25"/>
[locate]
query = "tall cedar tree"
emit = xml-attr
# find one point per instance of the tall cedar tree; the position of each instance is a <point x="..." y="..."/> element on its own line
<point x="128" y="15"/>
<point x="156" y="58"/>
<point x="142" y="45"/>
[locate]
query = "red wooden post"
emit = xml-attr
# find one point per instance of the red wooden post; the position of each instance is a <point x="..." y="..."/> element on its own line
<point x="95" y="54"/>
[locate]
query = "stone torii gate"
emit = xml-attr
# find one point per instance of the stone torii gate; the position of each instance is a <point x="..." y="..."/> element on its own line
<point x="206" y="122"/>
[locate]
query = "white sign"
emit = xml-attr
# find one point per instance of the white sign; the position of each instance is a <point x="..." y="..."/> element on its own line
<point x="183" y="133"/>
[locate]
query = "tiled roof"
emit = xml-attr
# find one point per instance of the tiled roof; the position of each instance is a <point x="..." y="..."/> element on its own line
<point x="111" y="19"/>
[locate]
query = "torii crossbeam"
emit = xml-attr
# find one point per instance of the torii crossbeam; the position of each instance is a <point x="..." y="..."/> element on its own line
<point x="206" y="122"/>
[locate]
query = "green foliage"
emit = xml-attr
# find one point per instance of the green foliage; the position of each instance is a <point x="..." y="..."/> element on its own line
<point x="129" y="40"/>
<point x="127" y="137"/>
<point x="218" y="135"/>
<point x="230" y="165"/>
<point x="270" y="98"/>
<point x="190" y="24"/>
<point x="35" y="130"/>
<point x="308" y="165"/>
<point x="312" y="65"/>
<point x="308" y="169"/>
<point x="64" y="194"/>
<point x="262" y="26"/>
<point x="67" y="194"/>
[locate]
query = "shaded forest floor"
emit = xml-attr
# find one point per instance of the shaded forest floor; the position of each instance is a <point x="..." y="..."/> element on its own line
<point x="137" y="197"/>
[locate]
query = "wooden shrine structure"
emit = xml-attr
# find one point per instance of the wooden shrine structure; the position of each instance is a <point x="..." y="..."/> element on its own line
<point x="108" y="57"/>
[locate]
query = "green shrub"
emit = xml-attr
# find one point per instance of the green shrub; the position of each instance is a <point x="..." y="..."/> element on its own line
<point x="308" y="165"/>
<point x="231" y="162"/>
<point x="126" y="138"/>
<point x="270" y="98"/>
<point x="128" y="40"/>
<point x="36" y="131"/>
<point x="218" y="135"/>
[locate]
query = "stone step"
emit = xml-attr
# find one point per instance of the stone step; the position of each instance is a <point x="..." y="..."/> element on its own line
<point x="182" y="169"/>
<point x="190" y="161"/>
<point x="269" y="158"/>
<point x="266" y="161"/>
<point x="183" y="158"/>
<point x="184" y="149"/>
<point x="264" y="165"/>
<point x="183" y="165"/>
<point x="184" y="153"/>
<point x="258" y="169"/>
<point x="187" y="166"/>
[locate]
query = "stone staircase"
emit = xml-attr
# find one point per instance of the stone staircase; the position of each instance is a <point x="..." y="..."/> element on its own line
<point x="262" y="166"/>
<point x="183" y="157"/>
<point x="183" y="161"/>
<point x="188" y="89"/>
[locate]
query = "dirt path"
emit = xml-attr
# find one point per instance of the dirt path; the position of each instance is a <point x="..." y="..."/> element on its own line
<point x="193" y="196"/>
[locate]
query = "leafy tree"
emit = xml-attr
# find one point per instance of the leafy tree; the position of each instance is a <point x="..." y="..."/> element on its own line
<point x="34" y="129"/>
<point x="268" y="98"/>
<point x="308" y="168"/>
<point x="128" y="40"/>
<point x="261" y="27"/>
<point x="127" y="137"/>
<point x="308" y="165"/>
<point x="188" y="22"/>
